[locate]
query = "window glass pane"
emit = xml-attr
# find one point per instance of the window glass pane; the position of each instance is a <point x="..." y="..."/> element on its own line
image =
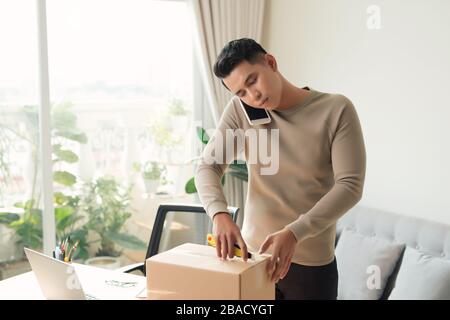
<point x="121" y="91"/>
<point x="20" y="183"/>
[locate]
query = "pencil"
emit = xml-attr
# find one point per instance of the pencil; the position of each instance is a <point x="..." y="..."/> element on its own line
<point x="74" y="248"/>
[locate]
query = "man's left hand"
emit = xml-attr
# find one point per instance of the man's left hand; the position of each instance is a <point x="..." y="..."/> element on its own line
<point x="283" y="245"/>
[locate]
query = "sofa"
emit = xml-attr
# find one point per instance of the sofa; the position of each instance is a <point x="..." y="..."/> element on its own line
<point x="383" y="255"/>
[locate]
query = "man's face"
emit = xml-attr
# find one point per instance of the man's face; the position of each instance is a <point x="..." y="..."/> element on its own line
<point x="258" y="85"/>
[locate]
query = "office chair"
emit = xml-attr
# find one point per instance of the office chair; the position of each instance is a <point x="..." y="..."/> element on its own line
<point x="180" y="219"/>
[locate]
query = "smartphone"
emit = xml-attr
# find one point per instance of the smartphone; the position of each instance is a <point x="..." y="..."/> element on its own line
<point x="255" y="116"/>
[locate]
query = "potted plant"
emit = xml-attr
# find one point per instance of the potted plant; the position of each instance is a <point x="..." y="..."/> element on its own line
<point x="70" y="222"/>
<point x="166" y="137"/>
<point x="26" y="218"/>
<point x="178" y="114"/>
<point x="28" y="223"/>
<point x="107" y="206"/>
<point x="152" y="173"/>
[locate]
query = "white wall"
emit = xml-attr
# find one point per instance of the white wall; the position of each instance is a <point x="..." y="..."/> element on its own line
<point x="398" y="78"/>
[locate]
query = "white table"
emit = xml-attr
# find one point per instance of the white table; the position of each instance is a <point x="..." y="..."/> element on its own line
<point x="26" y="287"/>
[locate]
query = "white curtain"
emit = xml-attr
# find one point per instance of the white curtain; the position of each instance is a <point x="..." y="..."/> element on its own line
<point x="215" y="23"/>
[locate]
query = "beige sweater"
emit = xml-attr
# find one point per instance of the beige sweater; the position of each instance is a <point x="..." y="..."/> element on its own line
<point x="321" y="173"/>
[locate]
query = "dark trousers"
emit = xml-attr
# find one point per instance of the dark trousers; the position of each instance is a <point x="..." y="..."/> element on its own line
<point x="308" y="283"/>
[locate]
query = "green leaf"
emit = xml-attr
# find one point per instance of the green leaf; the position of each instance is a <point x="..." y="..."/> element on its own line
<point x="79" y="233"/>
<point x="239" y="172"/>
<point x="63" y="117"/>
<point x="64" y="178"/>
<point x="223" y="180"/>
<point x="64" y="217"/>
<point x="66" y="155"/>
<point x="28" y="226"/>
<point x="56" y="147"/>
<point x="242" y="167"/>
<point x="29" y="232"/>
<point x="80" y="236"/>
<point x="238" y="175"/>
<point x="190" y="186"/>
<point x="80" y="253"/>
<point x="34" y="216"/>
<point x="59" y="198"/>
<point x="17" y="224"/>
<point x="73" y="201"/>
<point x="136" y="166"/>
<point x="18" y="205"/>
<point x="27" y="205"/>
<point x="63" y="212"/>
<point x="8" y="217"/>
<point x="127" y="241"/>
<point x="153" y="170"/>
<point x="74" y="134"/>
<point x="201" y="133"/>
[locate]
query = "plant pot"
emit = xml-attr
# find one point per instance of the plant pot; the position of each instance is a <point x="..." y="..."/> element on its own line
<point x="104" y="262"/>
<point x="151" y="185"/>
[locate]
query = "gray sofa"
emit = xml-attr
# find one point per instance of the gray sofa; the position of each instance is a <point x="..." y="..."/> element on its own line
<point x="383" y="255"/>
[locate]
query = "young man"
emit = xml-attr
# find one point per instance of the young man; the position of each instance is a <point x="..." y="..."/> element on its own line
<point x="292" y="213"/>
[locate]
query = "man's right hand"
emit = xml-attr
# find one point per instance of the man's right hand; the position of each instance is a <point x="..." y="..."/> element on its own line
<point x="227" y="233"/>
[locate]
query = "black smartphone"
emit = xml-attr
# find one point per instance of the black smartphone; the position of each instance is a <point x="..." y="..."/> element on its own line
<point x="254" y="115"/>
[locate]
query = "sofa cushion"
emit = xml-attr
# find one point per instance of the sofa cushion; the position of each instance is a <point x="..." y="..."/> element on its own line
<point x="422" y="277"/>
<point x="364" y="265"/>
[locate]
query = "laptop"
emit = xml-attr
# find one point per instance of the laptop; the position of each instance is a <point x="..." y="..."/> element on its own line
<point x="59" y="280"/>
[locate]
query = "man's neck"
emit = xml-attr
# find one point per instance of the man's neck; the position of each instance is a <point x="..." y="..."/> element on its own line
<point x="291" y="95"/>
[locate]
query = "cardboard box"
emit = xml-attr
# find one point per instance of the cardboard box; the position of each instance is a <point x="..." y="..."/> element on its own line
<point x="193" y="271"/>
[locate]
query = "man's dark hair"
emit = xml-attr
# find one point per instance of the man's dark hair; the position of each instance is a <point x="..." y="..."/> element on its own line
<point x="234" y="53"/>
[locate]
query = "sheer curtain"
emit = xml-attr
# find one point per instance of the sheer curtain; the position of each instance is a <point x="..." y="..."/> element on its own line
<point x="215" y="23"/>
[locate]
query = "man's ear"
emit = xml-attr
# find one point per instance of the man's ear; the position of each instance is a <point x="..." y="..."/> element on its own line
<point x="271" y="61"/>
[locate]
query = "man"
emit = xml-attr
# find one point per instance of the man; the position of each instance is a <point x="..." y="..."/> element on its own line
<point x="291" y="214"/>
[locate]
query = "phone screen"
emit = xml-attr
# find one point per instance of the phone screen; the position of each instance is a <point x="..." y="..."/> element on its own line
<point x="254" y="113"/>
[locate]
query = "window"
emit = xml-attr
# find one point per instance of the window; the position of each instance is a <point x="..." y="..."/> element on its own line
<point x="121" y="103"/>
<point x="20" y="219"/>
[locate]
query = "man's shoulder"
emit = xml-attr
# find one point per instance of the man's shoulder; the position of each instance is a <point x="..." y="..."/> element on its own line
<point x="232" y="105"/>
<point x="334" y="103"/>
<point x="234" y="111"/>
<point x="334" y="98"/>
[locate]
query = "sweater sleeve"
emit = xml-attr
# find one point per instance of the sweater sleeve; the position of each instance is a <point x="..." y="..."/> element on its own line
<point x="213" y="163"/>
<point x="348" y="159"/>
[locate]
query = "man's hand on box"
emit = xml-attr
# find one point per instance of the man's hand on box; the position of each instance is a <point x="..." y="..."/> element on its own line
<point x="226" y="234"/>
<point x="283" y="245"/>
